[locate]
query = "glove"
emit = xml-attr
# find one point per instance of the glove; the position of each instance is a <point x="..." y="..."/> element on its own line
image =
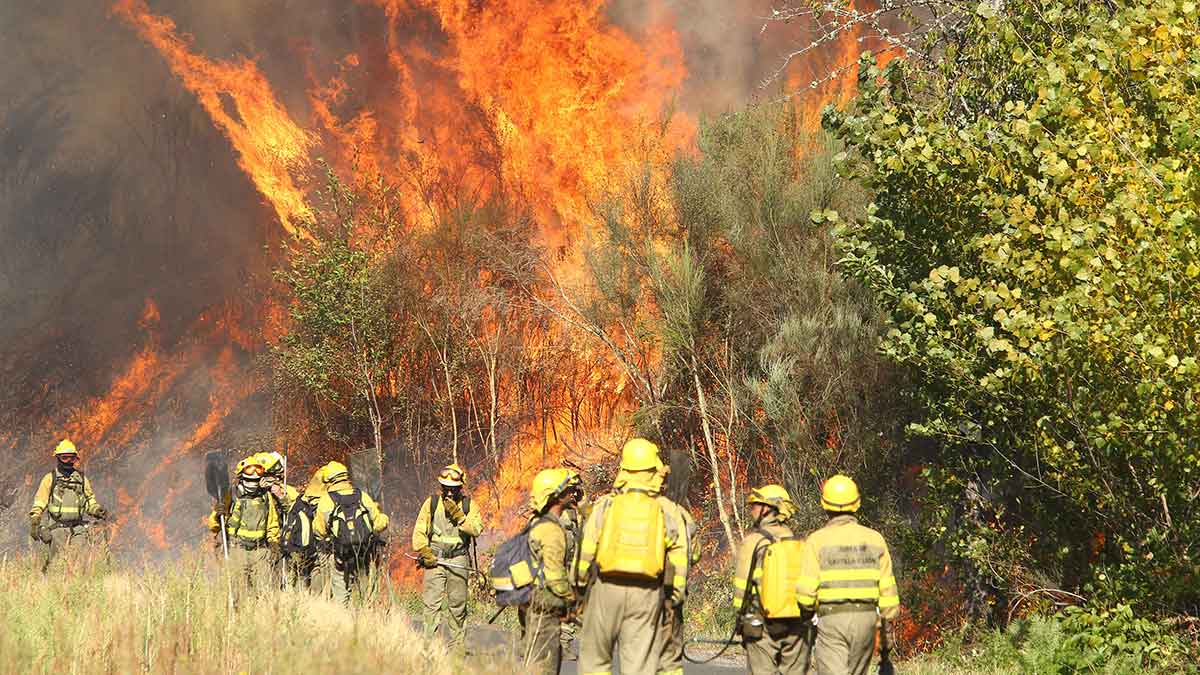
<point x="454" y="512"/>
<point x="35" y="527"/>
<point x="547" y="600"/>
<point x="428" y="559"/>
<point x="100" y="513"/>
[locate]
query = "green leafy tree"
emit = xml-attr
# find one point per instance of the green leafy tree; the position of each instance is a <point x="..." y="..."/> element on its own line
<point x="1033" y="236"/>
<point x="343" y="314"/>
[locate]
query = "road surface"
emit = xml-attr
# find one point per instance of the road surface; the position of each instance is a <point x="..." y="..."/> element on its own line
<point x="491" y="640"/>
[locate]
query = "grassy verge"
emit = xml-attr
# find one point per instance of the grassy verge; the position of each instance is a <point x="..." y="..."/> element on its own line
<point x="86" y="617"/>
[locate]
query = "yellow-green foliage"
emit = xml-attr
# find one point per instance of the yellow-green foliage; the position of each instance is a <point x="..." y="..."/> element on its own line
<point x="1034" y="237"/>
<point x="173" y="617"/>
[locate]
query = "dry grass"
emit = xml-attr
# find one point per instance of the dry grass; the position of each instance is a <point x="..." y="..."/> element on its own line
<point x="86" y="617"/>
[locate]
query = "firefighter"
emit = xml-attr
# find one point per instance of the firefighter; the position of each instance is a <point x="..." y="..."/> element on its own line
<point x="846" y="576"/>
<point x="446" y="526"/>
<point x="63" y="498"/>
<point x="252" y="525"/>
<point x="300" y="550"/>
<point x="773" y="645"/>
<point x="572" y="518"/>
<point x="633" y="560"/>
<point x="670" y="651"/>
<point x="348" y="523"/>
<point x="552" y="554"/>
<point x="274" y="472"/>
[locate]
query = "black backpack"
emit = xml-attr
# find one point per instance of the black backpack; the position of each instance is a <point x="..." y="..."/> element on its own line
<point x="514" y="569"/>
<point x="350" y="530"/>
<point x="297" y="529"/>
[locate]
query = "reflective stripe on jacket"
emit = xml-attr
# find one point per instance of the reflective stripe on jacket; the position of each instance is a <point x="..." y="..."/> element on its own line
<point x="253" y="520"/>
<point x="445" y="538"/>
<point x="847" y="562"/>
<point x="65" y="498"/>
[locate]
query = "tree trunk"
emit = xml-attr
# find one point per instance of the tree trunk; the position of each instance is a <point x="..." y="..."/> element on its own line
<point x="702" y="401"/>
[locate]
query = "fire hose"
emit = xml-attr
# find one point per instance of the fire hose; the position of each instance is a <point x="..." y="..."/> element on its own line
<point x="726" y="644"/>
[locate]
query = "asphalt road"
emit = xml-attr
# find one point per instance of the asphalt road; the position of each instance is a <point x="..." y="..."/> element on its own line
<point x="490" y="640"/>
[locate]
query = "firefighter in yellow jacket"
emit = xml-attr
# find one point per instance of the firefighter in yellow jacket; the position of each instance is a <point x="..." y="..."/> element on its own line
<point x="670" y="649"/>
<point x="348" y="523"/>
<point x="634" y="559"/>
<point x="551" y="553"/>
<point x="252" y="519"/>
<point x="62" y="500"/>
<point x="446" y="526"/>
<point x="299" y="542"/>
<point x="274" y="467"/>
<point x="846" y="576"/>
<point x="773" y="644"/>
<point x="572" y="518"/>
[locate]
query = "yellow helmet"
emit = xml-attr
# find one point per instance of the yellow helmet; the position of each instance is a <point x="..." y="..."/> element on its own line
<point x="250" y="466"/>
<point x="640" y="454"/>
<point x="316" y="485"/>
<point x="775" y="496"/>
<point x="840" y="495"/>
<point x="272" y="462"/>
<point x="65" y="447"/>
<point x="547" y="484"/>
<point x="334" y="472"/>
<point x="452" y="475"/>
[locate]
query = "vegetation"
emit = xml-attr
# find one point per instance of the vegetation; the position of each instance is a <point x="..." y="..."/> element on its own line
<point x="1033" y="238"/>
<point x="87" y="617"/>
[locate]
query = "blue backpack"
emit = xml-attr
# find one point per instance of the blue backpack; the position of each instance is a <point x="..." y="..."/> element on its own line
<point x="513" y="568"/>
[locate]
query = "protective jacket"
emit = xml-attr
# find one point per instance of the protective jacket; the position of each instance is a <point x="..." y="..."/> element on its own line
<point x="446" y="539"/>
<point x="743" y="574"/>
<point x="288" y="498"/>
<point x="65" y="498"/>
<point x="551" y="550"/>
<point x="379" y="520"/>
<point x="845" y="562"/>
<point x="254" y="521"/>
<point x="677" y="544"/>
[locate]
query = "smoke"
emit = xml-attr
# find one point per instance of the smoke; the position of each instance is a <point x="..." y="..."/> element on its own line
<point x="115" y="189"/>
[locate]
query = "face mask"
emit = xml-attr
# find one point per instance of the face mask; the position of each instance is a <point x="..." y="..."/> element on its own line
<point x="250" y="488"/>
<point x="65" y="468"/>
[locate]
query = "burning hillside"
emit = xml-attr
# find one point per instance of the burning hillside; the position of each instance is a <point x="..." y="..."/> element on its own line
<point x="152" y="185"/>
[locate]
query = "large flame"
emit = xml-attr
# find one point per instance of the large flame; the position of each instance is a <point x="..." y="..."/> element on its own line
<point x="540" y="101"/>
<point x="270" y="146"/>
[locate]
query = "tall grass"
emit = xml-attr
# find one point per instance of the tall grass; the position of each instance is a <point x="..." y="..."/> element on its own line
<point x="87" y="616"/>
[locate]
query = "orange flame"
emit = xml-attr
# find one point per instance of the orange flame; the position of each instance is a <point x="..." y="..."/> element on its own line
<point x="269" y="144"/>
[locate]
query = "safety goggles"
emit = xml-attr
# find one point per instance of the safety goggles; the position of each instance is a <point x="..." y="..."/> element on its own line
<point x="68" y="459"/>
<point x="253" y="470"/>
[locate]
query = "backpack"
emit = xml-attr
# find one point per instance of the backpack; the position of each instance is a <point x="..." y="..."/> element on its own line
<point x="513" y="568"/>
<point x="350" y="529"/>
<point x="297" y="531"/>
<point x="781" y="561"/>
<point x="633" y="542"/>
